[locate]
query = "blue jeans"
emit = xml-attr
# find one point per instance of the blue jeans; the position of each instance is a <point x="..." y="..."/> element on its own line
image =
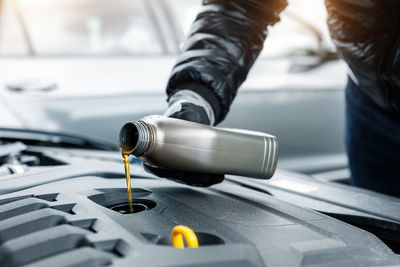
<point x="372" y="143"/>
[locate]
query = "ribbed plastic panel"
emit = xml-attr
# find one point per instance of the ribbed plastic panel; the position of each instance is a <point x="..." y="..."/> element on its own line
<point x="37" y="230"/>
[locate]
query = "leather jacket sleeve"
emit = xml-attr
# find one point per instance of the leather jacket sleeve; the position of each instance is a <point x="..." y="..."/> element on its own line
<point x="228" y="35"/>
<point x="367" y="36"/>
<point x="223" y="43"/>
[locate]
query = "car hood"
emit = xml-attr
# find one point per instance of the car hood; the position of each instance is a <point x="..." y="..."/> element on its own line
<point x="58" y="212"/>
<point x="58" y="93"/>
<point x="69" y="94"/>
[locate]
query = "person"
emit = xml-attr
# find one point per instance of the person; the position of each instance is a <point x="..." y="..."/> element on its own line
<point x="228" y="35"/>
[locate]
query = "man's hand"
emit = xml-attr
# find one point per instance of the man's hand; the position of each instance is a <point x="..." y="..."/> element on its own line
<point x="188" y="105"/>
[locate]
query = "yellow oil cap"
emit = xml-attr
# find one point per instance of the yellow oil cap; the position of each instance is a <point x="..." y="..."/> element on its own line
<point x="187" y="233"/>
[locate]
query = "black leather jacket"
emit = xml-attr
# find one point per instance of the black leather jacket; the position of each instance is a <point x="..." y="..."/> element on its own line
<point x="228" y="35"/>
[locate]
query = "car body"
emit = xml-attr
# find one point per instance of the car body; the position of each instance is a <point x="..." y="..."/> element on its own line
<point x="62" y="194"/>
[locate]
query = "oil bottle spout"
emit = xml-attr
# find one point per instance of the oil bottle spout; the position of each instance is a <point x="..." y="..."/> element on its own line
<point x="134" y="138"/>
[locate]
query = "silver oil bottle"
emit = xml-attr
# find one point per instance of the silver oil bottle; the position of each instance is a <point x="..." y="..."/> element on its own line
<point x="188" y="146"/>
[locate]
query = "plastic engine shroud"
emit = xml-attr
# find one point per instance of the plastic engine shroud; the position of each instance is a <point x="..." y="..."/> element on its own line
<point x="69" y="219"/>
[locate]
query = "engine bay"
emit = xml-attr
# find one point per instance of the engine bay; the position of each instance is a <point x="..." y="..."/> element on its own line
<point x="69" y="209"/>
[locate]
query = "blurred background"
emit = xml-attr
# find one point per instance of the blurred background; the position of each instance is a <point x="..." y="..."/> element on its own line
<point x="87" y="66"/>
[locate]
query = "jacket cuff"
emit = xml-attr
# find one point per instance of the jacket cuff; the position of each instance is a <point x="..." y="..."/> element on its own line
<point x="204" y="92"/>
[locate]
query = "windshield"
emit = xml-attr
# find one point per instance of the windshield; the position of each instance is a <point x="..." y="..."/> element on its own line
<point x="77" y="27"/>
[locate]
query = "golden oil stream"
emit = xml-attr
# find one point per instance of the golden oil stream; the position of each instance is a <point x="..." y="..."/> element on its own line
<point x="128" y="180"/>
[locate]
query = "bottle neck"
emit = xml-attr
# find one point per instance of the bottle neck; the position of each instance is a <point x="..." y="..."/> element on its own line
<point x="143" y="138"/>
<point x="134" y="138"/>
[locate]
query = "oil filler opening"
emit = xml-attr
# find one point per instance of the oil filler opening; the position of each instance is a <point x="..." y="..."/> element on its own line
<point x="116" y="200"/>
<point x="139" y="205"/>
